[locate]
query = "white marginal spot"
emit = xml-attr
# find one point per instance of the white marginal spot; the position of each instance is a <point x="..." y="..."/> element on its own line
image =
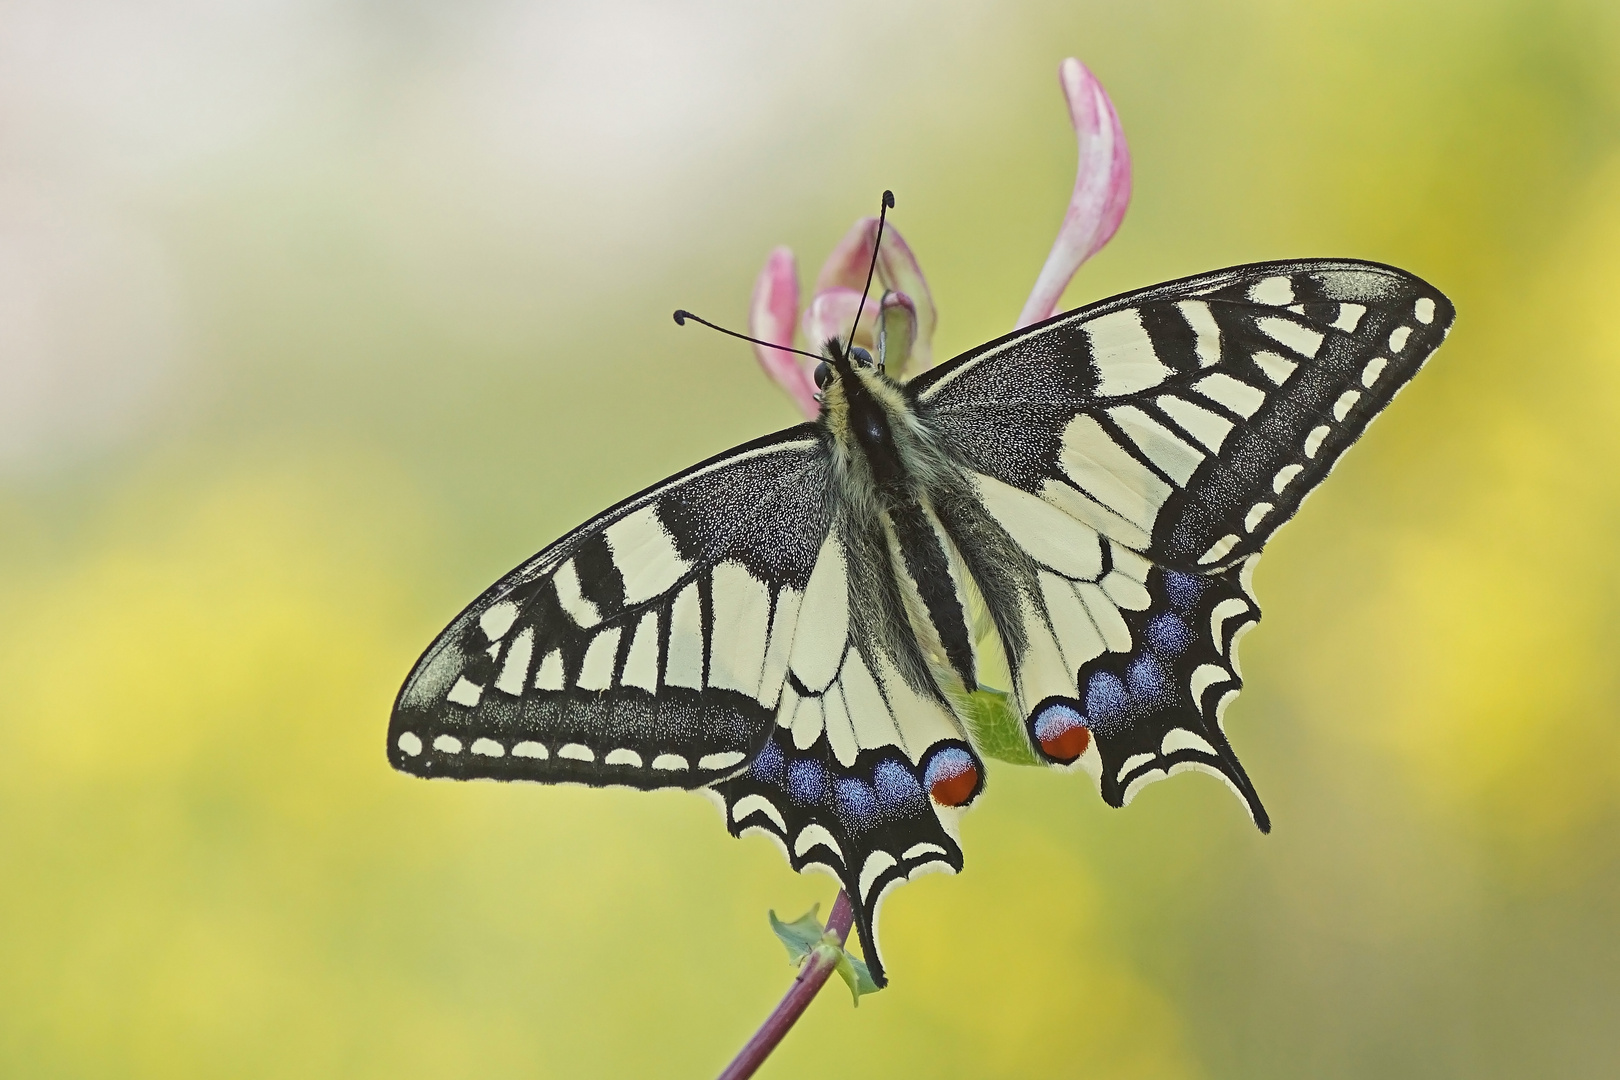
<point x="670" y="762"/>
<point x="515" y="672"/>
<point x="752" y="804"/>
<point x="1276" y="367"/>
<point x="410" y="743"/>
<point x="876" y="864"/>
<point x="1349" y="317"/>
<point x="924" y="848"/>
<point x="644" y="554"/>
<point x="1122" y="354"/>
<point x="1374" y="368"/>
<point x="488" y="748"/>
<point x="447" y="744"/>
<point x="1424" y="310"/>
<point x="530" y="749"/>
<point x="1285" y="476"/>
<point x="1301" y="339"/>
<point x="1182" y="739"/>
<point x="576" y="752"/>
<point x="1397" y="338"/>
<point x="1133" y="761"/>
<point x="683" y="665"/>
<point x="1219" y="548"/>
<point x="1240" y="397"/>
<point x="1257" y="514"/>
<point x="465" y="693"/>
<point x="1206" y="331"/>
<point x="1203" y="677"/>
<point x="641" y="664"/>
<point x="621" y="756"/>
<point x="723" y="760"/>
<point x="1313" y="441"/>
<point x="1226" y="609"/>
<point x="1199" y="422"/>
<point x="823" y="630"/>
<point x="498" y="619"/>
<point x="1275" y="291"/>
<point x="1126" y="593"/>
<point x="596" y="673"/>
<point x="1051" y="537"/>
<point x="581" y="610"/>
<point x="493" y="651"/>
<point x="1173" y="456"/>
<point x="742" y="615"/>
<point x="550" y="674"/>
<point x="1346" y="402"/>
<point x="812" y="835"/>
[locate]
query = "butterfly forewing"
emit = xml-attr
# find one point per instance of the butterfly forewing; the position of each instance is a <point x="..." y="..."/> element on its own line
<point x="1182" y="424"/>
<point x="646" y="648"/>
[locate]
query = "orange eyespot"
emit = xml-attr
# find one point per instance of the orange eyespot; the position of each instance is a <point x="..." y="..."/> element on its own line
<point x="1061" y="731"/>
<point x="1067" y="744"/>
<point x="955" y="789"/>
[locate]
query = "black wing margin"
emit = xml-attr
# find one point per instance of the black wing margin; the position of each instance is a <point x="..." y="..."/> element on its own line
<point x="646" y="648"/>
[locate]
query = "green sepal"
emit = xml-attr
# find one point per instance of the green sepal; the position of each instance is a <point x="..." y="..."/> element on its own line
<point x="801" y="935"/>
<point x="996" y="728"/>
<point x="805" y="935"/>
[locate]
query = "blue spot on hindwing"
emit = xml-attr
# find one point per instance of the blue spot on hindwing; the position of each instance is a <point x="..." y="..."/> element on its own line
<point x="767" y="765"/>
<point x="1105" y="701"/>
<point x="1149" y="682"/>
<point x="855" y="803"/>
<point x="807" y="781"/>
<point x="1169" y="635"/>
<point x="1183" y="590"/>
<point x="899" y="795"/>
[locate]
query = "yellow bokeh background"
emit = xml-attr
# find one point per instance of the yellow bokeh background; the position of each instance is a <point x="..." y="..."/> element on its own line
<point x="315" y="318"/>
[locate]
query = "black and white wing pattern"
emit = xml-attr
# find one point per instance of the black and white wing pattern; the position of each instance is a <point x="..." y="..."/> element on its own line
<point x="706" y="634"/>
<point x="647" y="648"/>
<point x="1180" y="425"/>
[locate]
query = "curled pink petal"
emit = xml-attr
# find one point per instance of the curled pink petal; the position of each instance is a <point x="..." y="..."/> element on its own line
<point x="897" y="333"/>
<point x="846" y="267"/>
<point x="900" y="273"/>
<point x="1102" y="189"/>
<point x="830" y="314"/>
<point x="770" y="318"/>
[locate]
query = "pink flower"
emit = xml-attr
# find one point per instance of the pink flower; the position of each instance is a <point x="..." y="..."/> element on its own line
<point x="902" y="332"/>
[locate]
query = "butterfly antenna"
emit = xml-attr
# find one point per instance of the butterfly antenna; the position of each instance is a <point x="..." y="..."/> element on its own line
<point x="681" y="315"/>
<point x="883" y="211"/>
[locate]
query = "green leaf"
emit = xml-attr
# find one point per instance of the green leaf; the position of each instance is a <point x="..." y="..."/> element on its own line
<point x="856" y="975"/>
<point x="996" y="729"/>
<point x="801" y="935"/>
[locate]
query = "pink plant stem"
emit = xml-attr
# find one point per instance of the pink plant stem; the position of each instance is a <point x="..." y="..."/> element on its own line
<point x="804" y="989"/>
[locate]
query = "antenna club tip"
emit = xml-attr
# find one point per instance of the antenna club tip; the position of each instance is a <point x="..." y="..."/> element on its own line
<point x="888" y="198"/>
<point x="681" y="315"/>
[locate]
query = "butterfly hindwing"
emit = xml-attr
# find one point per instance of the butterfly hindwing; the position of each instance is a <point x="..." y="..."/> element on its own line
<point x="646" y="648"/>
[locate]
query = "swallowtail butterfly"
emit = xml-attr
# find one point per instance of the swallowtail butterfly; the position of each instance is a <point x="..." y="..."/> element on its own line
<point x="1071" y="513"/>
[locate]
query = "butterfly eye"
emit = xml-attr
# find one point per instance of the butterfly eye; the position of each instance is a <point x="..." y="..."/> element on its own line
<point x="861" y="356"/>
<point x="823" y="375"/>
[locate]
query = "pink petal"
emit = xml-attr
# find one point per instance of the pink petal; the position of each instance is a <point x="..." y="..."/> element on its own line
<point x="770" y="318"/>
<point x="830" y="314"/>
<point x="845" y="267"/>
<point x="897" y="271"/>
<point x="1102" y="189"/>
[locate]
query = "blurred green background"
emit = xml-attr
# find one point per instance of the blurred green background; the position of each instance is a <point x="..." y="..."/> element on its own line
<point x="316" y="316"/>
